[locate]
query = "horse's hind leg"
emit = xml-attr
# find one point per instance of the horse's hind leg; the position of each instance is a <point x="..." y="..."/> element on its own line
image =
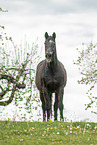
<point x="43" y="106"/>
<point x="55" y="106"/>
<point x="51" y="105"/>
<point x="61" y="112"/>
<point x="60" y="102"/>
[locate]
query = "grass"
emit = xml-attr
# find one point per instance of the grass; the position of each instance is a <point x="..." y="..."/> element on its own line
<point x="48" y="133"/>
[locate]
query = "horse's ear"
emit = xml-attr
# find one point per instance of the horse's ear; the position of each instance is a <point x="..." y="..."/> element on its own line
<point x="54" y="35"/>
<point x="46" y="35"/>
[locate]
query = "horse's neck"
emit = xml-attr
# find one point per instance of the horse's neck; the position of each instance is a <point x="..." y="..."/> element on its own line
<point x="53" y="65"/>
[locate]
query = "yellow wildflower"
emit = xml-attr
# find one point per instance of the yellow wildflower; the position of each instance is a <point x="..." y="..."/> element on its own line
<point x="51" y="128"/>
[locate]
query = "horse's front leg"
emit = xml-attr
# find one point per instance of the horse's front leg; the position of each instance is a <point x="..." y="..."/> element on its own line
<point x="43" y="106"/>
<point x="49" y="110"/>
<point x="60" y="102"/>
<point x="47" y="99"/>
<point x="55" y="106"/>
<point x="48" y="106"/>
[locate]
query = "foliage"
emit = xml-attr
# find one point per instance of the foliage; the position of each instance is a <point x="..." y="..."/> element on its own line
<point x="3" y="10"/>
<point x="48" y="133"/>
<point x="87" y="63"/>
<point x="17" y="73"/>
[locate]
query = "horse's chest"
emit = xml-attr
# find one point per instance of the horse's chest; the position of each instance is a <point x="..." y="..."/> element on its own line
<point x="52" y="81"/>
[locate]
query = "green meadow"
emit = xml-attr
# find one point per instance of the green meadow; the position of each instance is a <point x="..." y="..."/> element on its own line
<point x="48" y="133"/>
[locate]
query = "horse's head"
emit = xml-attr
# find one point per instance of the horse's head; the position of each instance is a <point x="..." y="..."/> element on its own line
<point x="50" y="47"/>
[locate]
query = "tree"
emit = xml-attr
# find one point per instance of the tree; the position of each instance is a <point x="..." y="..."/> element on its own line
<point x="17" y="72"/>
<point x="17" y="66"/>
<point x="87" y="63"/>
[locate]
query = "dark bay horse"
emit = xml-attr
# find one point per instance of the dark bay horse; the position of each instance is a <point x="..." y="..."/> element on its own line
<point x="51" y="78"/>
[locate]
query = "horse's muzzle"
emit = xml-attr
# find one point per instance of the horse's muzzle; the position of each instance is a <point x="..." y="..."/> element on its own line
<point x="49" y="56"/>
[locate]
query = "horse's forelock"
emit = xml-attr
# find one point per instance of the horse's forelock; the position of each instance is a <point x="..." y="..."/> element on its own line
<point x="50" y="39"/>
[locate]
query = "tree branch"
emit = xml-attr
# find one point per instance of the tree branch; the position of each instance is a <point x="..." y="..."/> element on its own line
<point x="12" y="80"/>
<point x="3" y="93"/>
<point x="5" y="103"/>
<point x="15" y="82"/>
<point x="17" y="69"/>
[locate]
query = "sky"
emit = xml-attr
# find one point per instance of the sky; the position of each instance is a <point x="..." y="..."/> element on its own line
<point x="73" y="21"/>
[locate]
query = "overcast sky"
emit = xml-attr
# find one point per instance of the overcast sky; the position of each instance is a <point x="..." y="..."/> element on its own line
<point x="74" y="21"/>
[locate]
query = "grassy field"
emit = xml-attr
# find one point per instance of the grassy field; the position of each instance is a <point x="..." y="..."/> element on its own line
<point x="48" y="133"/>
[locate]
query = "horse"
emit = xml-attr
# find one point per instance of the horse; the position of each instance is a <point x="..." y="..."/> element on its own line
<point x="51" y="77"/>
